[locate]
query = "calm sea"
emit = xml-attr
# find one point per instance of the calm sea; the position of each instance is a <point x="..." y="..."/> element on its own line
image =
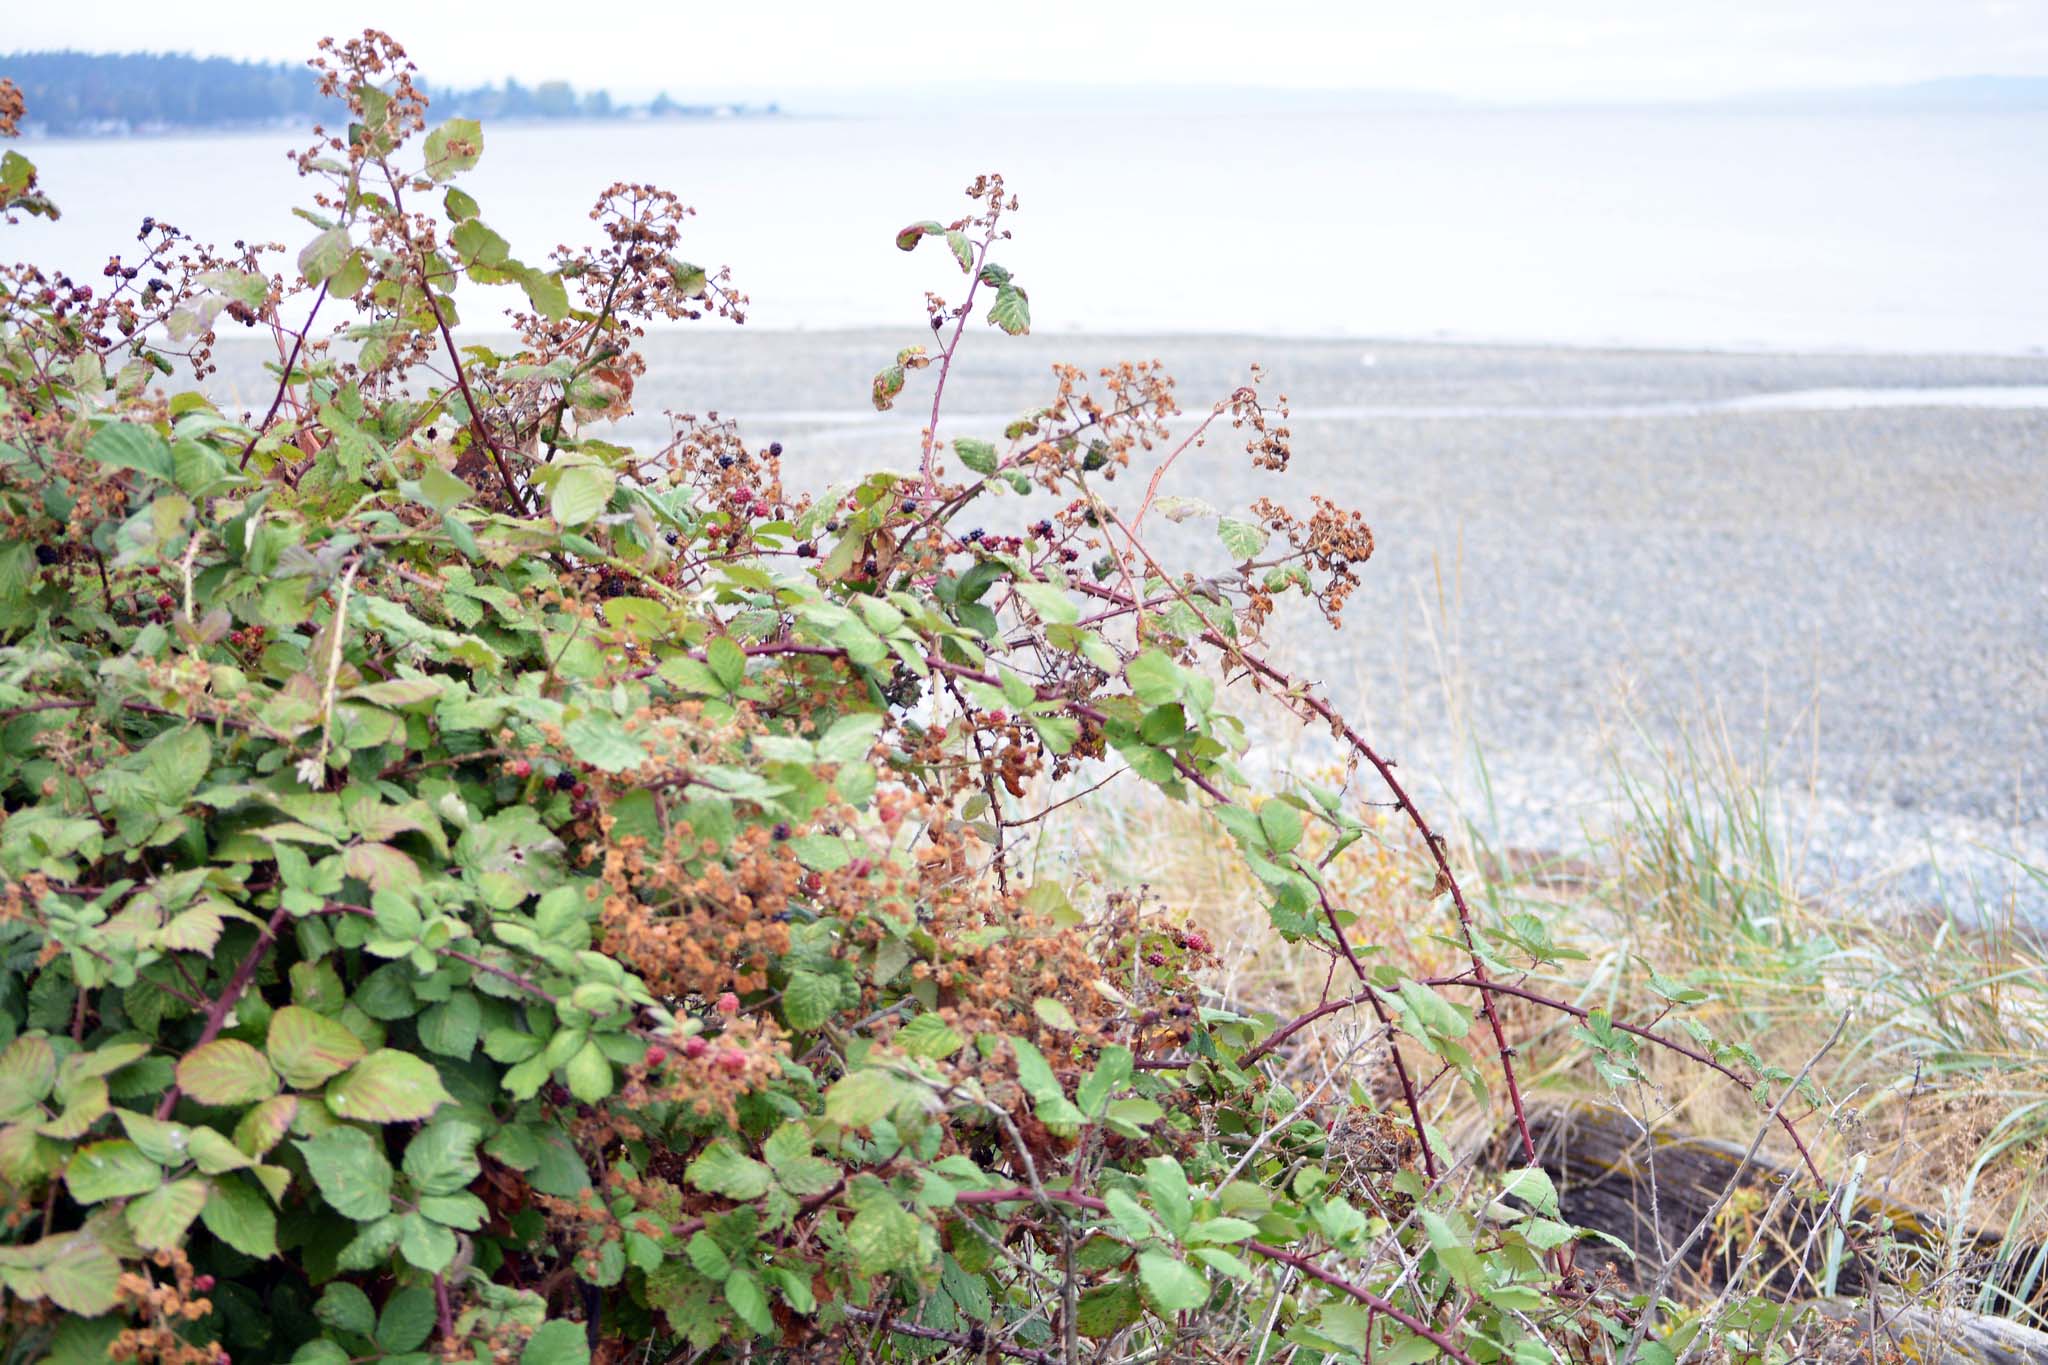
<point x="1809" y="232"/>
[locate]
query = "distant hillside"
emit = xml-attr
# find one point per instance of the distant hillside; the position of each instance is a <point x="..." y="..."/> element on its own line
<point x="113" y="93"/>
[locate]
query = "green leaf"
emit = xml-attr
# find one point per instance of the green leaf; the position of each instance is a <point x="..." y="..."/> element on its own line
<point x="80" y="1273"/>
<point x="442" y="1158"/>
<point x="979" y="456"/>
<point x="324" y="255"/>
<point x="1282" y="825"/>
<point x="1224" y="1230"/>
<point x="1155" y="679"/>
<point x="1167" y="1184"/>
<point x="1532" y="1185"/>
<point x="1173" y="1286"/>
<point x="849" y="739"/>
<point x="346" y="1308"/>
<point x="884" y="1236"/>
<point x="159" y="1218"/>
<point x="1107" y="1309"/>
<point x="723" y="1169"/>
<point x="929" y="1036"/>
<point x="453" y="148"/>
<point x="559" y="1342"/>
<point x="349" y="1167"/>
<point x="238" y="1214"/>
<point x="425" y="1243"/>
<point x="1053" y="1013"/>
<point x="727" y="662"/>
<point x="387" y="1086"/>
<point x="1011" y="310"/>
<point x="1241" y="539"/>
<point x="125" y="445"/>
<point x="28" y="1071"/>
<point x="451" y="1026"/>
<point x="459" y="1210"/>
<point x="707" y="1256"/>
<point x="809" y="1000"/>
<point x="589" y="1074"/>
<point x="749" y="1301"/>
<point x="602" y="742"/>
<point x="110" y="1170"/>
<point x="307" y="1048"/>
<point x="226" y="1071"/>
<point x="407" y="1321"/>
<point x="963" y="249"/>
<point x="545" y="292"/>
<point x="1052" y="604"/>
<point x="859" y="1098"/>
<point x="582" y="491"/>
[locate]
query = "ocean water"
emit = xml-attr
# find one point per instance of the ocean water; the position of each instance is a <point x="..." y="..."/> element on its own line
<point x="1912" y="233"/>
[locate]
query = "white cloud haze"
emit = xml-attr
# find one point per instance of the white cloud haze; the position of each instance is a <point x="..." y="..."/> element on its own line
<point x="1481" y="49"/>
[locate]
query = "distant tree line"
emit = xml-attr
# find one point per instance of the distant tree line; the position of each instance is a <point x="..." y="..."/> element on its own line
<point x="88" y="92"/>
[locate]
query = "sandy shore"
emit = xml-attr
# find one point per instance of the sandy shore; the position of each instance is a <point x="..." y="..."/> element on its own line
<point x="1851" y="587"/>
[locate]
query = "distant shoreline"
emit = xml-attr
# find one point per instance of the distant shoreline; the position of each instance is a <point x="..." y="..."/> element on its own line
<point x="299" y="126"/>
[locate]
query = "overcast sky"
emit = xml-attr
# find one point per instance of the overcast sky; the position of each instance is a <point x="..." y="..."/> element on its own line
<point x="1483" y="49"/>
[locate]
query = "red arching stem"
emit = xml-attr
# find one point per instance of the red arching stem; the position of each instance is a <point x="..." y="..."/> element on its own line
<point x="237" y="986"/>
<point x="928" y="472"/>
<point x="284" y="382"/>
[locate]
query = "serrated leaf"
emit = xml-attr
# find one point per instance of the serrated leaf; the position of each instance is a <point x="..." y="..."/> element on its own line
<point x="1107" y="1309"/>
<point x="407" y="1320"/>
<point x="884" y="1236"/>
<point x="809" y="1000"/>
<point x="588" y="1073"/>
<point x="707" y="1256"/>
<point x="1052" y="604"/>
<point x="263" y="1126"/>
<point x="1172" y="1285"/>
<point x="1053" y="1013"/>
<point x="559" y="1342"/>
<point x="387" y="1086"/>
<point x="1011" y="310"/>
<point x="454" y="147"/>
<point x="442" y="1157"/>
<point x="351" y="1171"/>
<point x="237" y="1213"/>
<point x="859" y="1098"/>
<point x="324" y="255"/>
<point x="110" y="1170"/>
<point x="425" y="1243"/>
<point x="226" y="1071"/>
<point x="582" y="491"/>
<point x="307" y="1048"/>
<point x="979" y="456"/>
<point x="126" y="445"/>
<point x="723" y="1169"/>
<point x="1167" y="1185"/>
<point x="346" y="1308"/>
<point x="80" y="1273"/>
<point x="929" y="1036"/>
<point x="159" y="1218"/>
<point x="449" y="1027"/>
<point x="28" y="1071"/>
<point x="1242" y="540"/>
<point x="749" y="1301"/>
<point x="1531" y="1184"/>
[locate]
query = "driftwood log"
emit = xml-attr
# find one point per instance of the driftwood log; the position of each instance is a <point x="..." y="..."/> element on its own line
<point x="1929" y="1337"/>
<point x="1650" y="1191"/>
